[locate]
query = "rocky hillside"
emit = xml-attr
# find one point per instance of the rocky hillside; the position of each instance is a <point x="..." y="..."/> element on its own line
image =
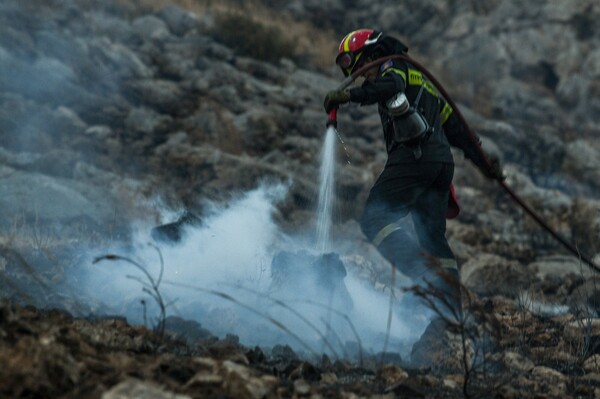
<point x="113" y="111"/>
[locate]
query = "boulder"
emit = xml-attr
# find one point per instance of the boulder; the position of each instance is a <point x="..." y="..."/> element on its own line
<point x="583" y="160"/>
<point x="559" y="266"/>
<point x="517" y="362"/>
<point x="145" y="121"/>
<point x="116" y="61"/>
<point x="544" y="200"/>
<point x="239" y="382"/>
<point x="150" y="27"/>
<point x="162" y="95"/>
<point x="585" y="298"/>
<point x="312" y="275"/>
<point x="489" y="274"/>
<point x="136" y="389"/>
<point x="178" y="20"/>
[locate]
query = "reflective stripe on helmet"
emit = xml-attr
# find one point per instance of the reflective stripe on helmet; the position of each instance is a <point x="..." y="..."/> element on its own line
<point x="346" y="41"/>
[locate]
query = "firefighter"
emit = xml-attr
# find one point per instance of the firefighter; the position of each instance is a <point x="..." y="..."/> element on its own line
<point x="419" y="127"/>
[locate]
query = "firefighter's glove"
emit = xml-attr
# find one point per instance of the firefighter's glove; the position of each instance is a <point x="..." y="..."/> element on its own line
<point x="334" y="98"/>
<point x="494" y="170"/>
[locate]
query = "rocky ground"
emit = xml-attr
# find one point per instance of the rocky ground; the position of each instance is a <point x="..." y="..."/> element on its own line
<point x="50" y="354"/>
<point x="110" y="108"/>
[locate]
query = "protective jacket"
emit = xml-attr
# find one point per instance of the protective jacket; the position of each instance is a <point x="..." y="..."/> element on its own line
<point x="445" y="129"/>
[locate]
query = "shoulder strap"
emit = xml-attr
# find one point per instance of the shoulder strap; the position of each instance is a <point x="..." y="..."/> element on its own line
<point x="418" y="98"/>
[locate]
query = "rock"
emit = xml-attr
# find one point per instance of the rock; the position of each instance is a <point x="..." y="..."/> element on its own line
<point x="240" y="383"/>
<point x="178" y="20"/>
<point x="438" y="348"/>
<point x="114" y="27"/>
<point x="571" y="91"/>
<point x="329" y="378"/>
<point x="592" y="364"/>
<point x="301" y="387"/>
<point x="163" y="95"/>
<point x="546" y="200"/>
<point x="583" y="160"/>
<point x="203" y="380"/>
<point x="190" y="330"/>
<point x="69" y="122"/>
<point x="135" y="389"/>
<point x="258" y="126"/>
<point x="584" y="298"/>
<point x="43" y="79"/>
<point x="99" y="132"/>
<point x="585" y="329"/>
<point x="21" y="160"/>
<point x="283" y="352"/>
<point x="550" y="374"/>
<point x="547" y="381"/>
<point x="391" y="374"/>
<point x="262" y="71"/>
<point x="558" y="266"/>
<point x="407" y="389"/>
<point x="451" y="384"/>
<point x="591" y="65"/>
<point x="311" y="275"/>
<point x="177" y="60"/>
<point x="490" y="274"/>
<point x="150" y="27"/>
<point x="548" y="354"/>
<point x="145" y="121"/>
<point x="515" y="361"/>
<point x="118" y="61"/>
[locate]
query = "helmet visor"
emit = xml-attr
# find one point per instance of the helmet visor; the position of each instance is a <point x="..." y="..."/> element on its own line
<point x="346" y="61"/>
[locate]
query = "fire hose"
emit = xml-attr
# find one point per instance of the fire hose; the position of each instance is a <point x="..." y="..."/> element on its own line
<point x="332" y="120"/>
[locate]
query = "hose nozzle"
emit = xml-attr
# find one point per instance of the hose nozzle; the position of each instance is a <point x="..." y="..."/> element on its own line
<point x="332" y="118"/>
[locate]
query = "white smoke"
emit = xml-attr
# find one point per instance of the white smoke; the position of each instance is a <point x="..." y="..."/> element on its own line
<point x="230" y="252"/>
<point x="232" y="244"/>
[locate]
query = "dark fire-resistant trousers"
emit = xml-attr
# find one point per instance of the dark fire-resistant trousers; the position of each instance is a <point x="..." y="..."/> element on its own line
<point x="420" y="190"/>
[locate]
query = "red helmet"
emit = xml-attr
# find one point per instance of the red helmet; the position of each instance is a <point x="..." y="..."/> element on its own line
<point x="352" y="47"/>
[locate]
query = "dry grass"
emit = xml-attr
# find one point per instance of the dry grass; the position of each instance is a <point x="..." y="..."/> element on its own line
<point x="317" y="44"/>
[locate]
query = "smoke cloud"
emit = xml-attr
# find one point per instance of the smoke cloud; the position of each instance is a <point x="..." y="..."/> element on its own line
<point x="231" y="252"/>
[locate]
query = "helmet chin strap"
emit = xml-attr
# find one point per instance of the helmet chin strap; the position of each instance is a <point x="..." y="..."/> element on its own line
<point x="360" y="71"/>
